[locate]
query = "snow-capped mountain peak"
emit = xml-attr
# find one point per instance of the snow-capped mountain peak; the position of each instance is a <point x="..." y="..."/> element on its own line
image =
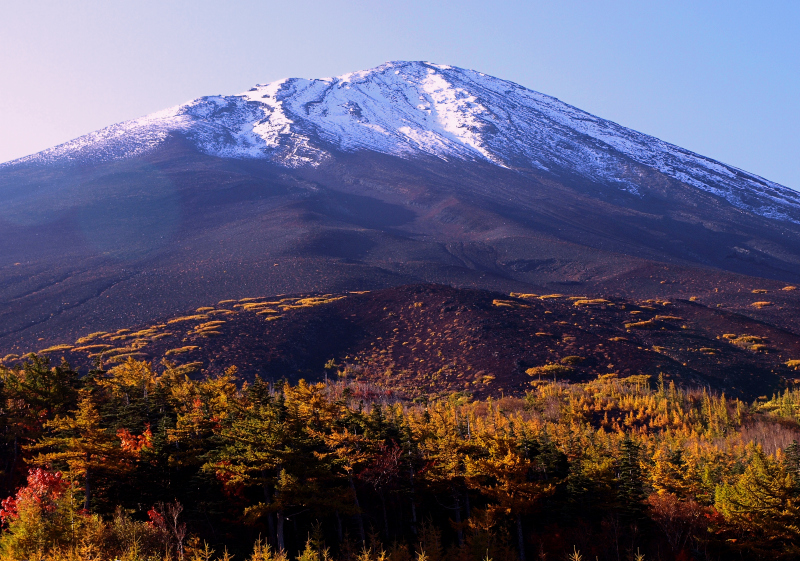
<point x="420" y="109"/>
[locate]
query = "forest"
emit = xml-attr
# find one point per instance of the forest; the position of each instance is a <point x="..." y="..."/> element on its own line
<point x="143" y="462"/>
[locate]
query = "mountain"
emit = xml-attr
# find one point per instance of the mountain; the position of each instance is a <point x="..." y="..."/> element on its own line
<point x="404" y="173"/>
<point x="410" y="110"/>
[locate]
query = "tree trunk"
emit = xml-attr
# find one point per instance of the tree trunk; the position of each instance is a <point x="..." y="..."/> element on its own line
<point x="339" y="532"/>
<point x="13" y="468"/>
<point x="458" y="518"/>
<point x="281" y="518"/>
<point x="87" y="490"/>
<point x="270" y="515"/>
<point x="413" y="503"/>
<point x="359" y="518"/>
<point x="385" y="517"/>
<point x="520" y="538"/>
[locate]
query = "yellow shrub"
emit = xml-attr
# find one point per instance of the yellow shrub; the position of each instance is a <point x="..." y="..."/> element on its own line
<point x="196" y="317"/>
<point x="508" y="304"/>
<point x="549" y="370"/>
<point x="572" y="360"/>
<point x="590" y="302"/>
<point x="181" y="350"/>
<point x="89" y="348"/>
<point x="90" y="337"/>
<point x="647" y="324"/>
<point x="56" y="348"/>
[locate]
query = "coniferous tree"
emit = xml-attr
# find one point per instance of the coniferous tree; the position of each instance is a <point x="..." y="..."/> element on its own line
<point x="630" y="482"/>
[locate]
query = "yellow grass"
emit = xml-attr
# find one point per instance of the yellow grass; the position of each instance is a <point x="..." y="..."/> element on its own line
<point x="647" y="324"/>
<point x="120" y="337"/>
<point x="318" y="301"/>
<point x="189" y="368"/>
<point x="213" y="323"/>
<point x="56" y="348"/>
<point x="252" y="305"/>
<point x="90" y="337"/>
<point x="90" y="348"/>
<point x="590" y="302"/>
<point x="549" y="370"/>
<point x="161" y="336"/>
<point x="221" y="313"/>
<point x="508" y="304"/>
<point x="181" y="350"/>
<point x="196" y="317"/>
<point x="573" y="359"/>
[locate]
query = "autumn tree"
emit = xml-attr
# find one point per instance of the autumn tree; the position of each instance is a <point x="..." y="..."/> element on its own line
<point x="39" y="517"/>
<point x="81" y="444"/>
<point x="763" y="500"/>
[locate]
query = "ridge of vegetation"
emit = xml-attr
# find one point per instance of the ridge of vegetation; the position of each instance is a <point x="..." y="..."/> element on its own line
<point x="425" y="340"/>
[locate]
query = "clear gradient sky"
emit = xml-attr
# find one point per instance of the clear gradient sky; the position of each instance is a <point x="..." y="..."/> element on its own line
<point x="719" y="78"/>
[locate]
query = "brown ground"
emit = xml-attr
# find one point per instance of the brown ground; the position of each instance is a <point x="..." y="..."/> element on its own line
<point x="429" y="339"/>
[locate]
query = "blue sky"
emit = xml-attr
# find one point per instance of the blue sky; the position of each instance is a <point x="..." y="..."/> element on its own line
<point x="719" y="78"/>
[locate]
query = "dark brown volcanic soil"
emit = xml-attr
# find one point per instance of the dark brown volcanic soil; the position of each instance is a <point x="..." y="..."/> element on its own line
<point x="425" y="339"/>
<point x="102" y="247"/>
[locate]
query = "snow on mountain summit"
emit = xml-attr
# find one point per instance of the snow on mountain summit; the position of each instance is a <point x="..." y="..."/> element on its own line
<point x="411" y="109"/>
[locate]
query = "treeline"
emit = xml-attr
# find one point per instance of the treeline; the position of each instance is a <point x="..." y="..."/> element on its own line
<point x="142" y="463"/>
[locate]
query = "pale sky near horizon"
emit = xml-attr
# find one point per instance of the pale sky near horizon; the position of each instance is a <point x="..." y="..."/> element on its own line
<point x="719" y="78"/>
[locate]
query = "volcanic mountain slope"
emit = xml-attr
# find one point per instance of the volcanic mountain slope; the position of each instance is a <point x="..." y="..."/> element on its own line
<point x="405" y="173"/>
<point x="431" y="339"/>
